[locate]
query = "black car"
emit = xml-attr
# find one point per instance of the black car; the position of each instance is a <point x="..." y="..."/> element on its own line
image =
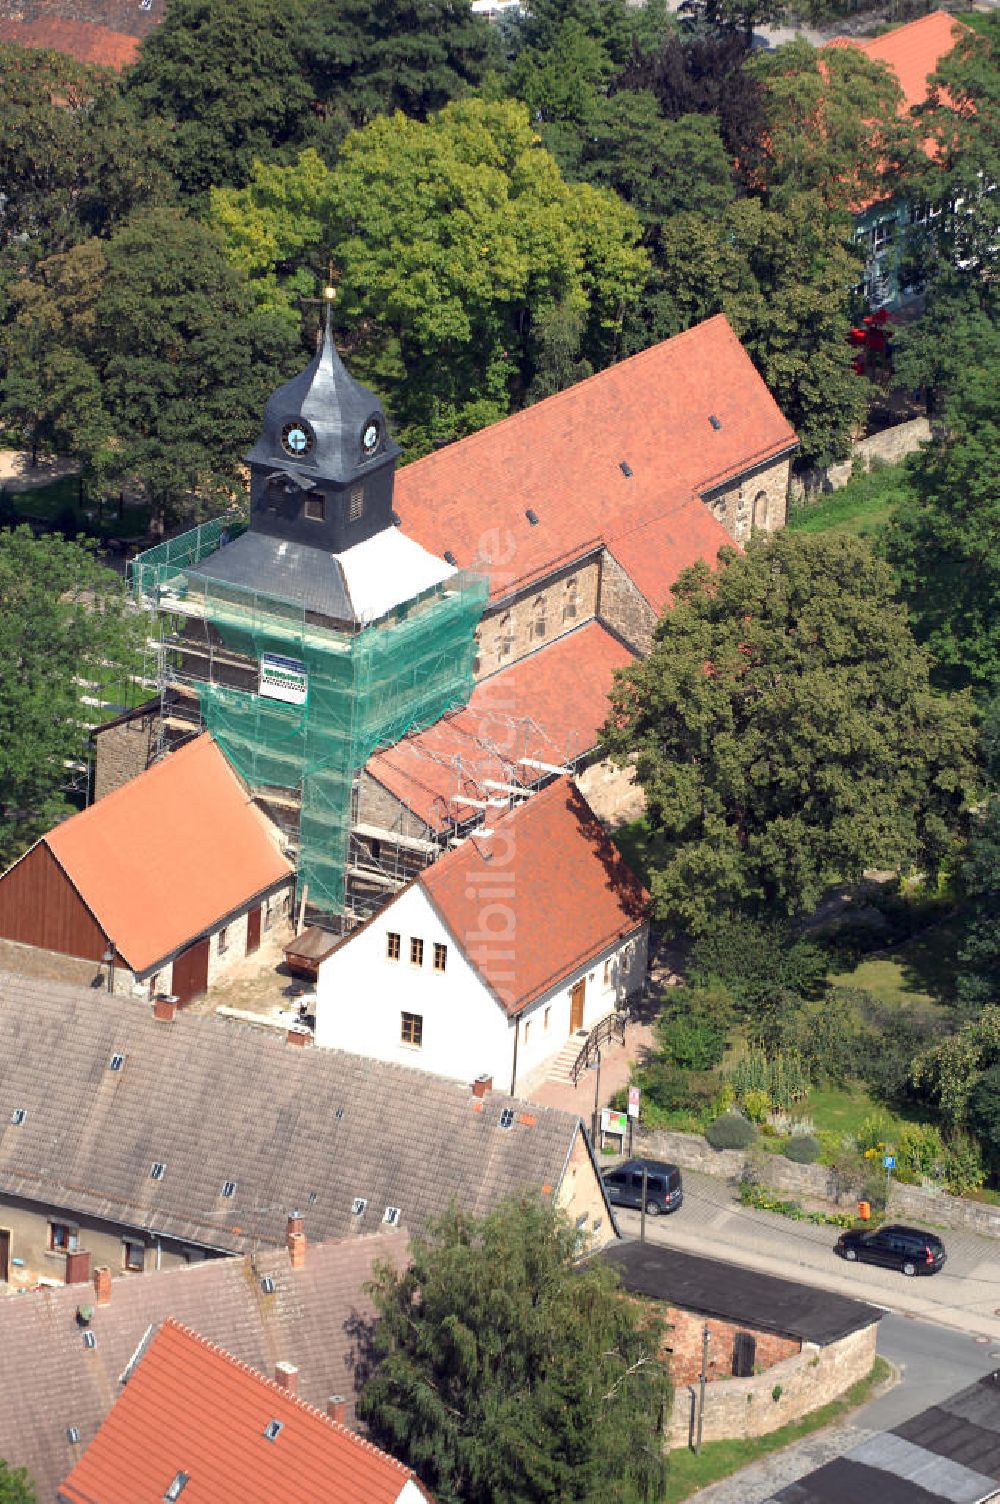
<point x="664" y="1192"/>
<point x="904" y="1248"/>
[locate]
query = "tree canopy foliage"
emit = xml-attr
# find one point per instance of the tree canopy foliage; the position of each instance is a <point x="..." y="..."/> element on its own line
<point x="63" y="618"/>
<point x="451" y="238"/>
<point x="506" y="1374"/>
<point x="16" y="1486"/>
<point x="785" y="732"/>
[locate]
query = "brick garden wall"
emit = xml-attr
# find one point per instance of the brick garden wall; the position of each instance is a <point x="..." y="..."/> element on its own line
<point x="685" y="1340"/>
<point x="739" y="1408"/>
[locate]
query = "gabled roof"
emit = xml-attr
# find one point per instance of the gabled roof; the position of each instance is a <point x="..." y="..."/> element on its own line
<point x="562" y="459"/>
<point x="215" y="1100"/>
<point x="168" y="855"/>
<point x="191" y="1408"/>
<point x="566" y="887"/>
<point x="548" y="706"/>
<point x="913" y="51"/>
<point x="84" y="40"/>
<point x="316" y="1318"/>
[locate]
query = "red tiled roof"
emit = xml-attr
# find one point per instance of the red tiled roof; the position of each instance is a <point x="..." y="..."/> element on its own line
<point x="191" y="1408"/>
<point x="913" y="51"/>
<point x="548" y="706"/>
<point x="83" y="40"/>
<point x="163" y="858"/>
<point x="568" y="890"/>
<point x="562" y="460"/>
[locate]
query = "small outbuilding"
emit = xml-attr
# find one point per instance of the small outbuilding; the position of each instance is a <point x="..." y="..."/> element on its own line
<point x="160" y="886"/>
<point x="783" y="1348"/>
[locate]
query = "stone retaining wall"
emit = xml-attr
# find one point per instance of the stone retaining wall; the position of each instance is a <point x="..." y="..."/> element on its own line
<point x="916" y="1203"/>
<point x="736" y="1408"/>
<point x="888" y="446"/>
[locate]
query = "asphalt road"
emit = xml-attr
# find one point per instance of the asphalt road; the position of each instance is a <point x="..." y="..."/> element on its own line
<point x="965" y="1295"/>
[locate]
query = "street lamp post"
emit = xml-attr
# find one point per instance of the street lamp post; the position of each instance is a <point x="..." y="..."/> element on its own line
<point x="597" y="1095"/>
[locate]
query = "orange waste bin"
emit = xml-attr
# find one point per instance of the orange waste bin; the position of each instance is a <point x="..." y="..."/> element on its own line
<point x="864" y="1210"/>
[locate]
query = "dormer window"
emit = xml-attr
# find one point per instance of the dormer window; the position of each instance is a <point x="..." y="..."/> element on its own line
<point x="356" y="508"/>
<point x="315" y="509"/>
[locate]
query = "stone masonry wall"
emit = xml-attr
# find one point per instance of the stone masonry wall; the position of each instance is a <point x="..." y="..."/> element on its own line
<point x="756" y="501"/>
<point x="611" y="792"/>
<point x="623" y="606"/>
<point x="123" y="751"/>
<point x="550" y="609"/>
<point x="889" y="445"/>
<point x="922" y="1204"/>
<point x="747" y="1407"/>
<point x="685" y="1342"/>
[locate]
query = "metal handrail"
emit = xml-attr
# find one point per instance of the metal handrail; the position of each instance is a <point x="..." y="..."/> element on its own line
<point x="612" y="1026"/>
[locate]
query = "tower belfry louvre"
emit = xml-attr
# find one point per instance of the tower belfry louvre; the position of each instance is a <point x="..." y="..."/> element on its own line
<point x="317" y="633"/>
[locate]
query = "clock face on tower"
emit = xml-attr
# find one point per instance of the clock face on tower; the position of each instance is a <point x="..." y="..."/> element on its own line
<point x="370" y="437"/>
<point x="297" y="438"/>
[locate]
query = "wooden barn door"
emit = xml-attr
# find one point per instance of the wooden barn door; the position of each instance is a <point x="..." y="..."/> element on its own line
<point x="253" y="930"/>
<point x="576" y="1002"/>
<point x="191" y="972"/>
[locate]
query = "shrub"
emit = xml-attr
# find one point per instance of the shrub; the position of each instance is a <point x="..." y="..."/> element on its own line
<point x="757" y="1105"/>
<point x="691" y="1031"/>
<point x="963" y="1165"/>
<point x="803" y="1149"/>
<point x="920" y="1149"/>
<point x="730" y="1132"/>
<point x="754" y="958"/>
<point x="874" y="1133"/>
<point x="780" y="1076"/>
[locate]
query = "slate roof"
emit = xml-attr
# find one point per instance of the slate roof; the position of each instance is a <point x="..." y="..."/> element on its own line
<point x="215" y="1100"/>
<point x="548" y="706"/>
<point x="317" y="1317"/>
<point x="949" y="1454"/>
<point x="730" y="1292"/>
<point x="569" y="892"/>
<point x="84" y="40"/>
<point x="562" y="459"/>
<point x="190" y="1408"/>
<point x="167" y="856"/>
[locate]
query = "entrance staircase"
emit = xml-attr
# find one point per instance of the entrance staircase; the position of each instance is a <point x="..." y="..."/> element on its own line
<point x="561" y="1068"/>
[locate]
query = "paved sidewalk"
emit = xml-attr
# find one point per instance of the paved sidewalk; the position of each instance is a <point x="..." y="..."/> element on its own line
<point x="965" y="1295"/>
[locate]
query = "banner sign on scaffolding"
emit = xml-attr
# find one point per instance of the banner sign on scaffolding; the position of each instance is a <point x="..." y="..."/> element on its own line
<point x="283" y="679"/>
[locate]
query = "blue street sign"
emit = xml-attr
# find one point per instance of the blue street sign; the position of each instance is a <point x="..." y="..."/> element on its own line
<point x="888" y="1161"/>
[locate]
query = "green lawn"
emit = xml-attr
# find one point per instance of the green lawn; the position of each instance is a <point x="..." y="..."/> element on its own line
<point x="718" y="1459"/>
<point x="863" y="506"/>
<point x="842" y="1109"/>
<point x="920" y="971"/>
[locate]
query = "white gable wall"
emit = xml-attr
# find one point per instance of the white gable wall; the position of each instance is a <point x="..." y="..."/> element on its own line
<point x="361" y="996"/>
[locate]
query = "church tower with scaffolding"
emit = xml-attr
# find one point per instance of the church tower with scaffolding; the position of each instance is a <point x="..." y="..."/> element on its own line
<point x="319" y="632"/>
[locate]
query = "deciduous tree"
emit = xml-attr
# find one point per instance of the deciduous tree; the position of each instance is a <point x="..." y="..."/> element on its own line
<point x="785" y="733"/>
<point x="506" y="1375"/>
<point x="63" y="617"/>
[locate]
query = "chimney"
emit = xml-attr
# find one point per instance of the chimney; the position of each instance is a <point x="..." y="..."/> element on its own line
<point x="296" y="1239"/>
<point x="298" y="1036"/>
<point x="336" y="1408"/>
<point x="102" y="1285"/>
<point x="164" y="1008"/>
<point x="78" y="1267"/>
<point x="286" y="1376"/>
<point x="482" y="1085"/>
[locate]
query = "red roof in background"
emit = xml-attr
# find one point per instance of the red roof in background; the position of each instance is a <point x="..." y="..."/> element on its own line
<point x="549" y="706"/>
<point x="568" y="889"/>
<point x="682" y="538"/>
<point x="913" y="51"/>
<point x="562" y="459"/>
<point x="83" y="40"/>
<point x="191" y="1408"/>
<point x="163" y="858"/>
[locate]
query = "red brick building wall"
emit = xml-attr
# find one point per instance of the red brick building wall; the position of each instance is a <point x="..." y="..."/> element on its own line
<point x="685" y="1341"/>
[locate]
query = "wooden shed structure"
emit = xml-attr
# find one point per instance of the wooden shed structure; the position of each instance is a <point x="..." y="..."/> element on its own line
<point x="162" y="884"/>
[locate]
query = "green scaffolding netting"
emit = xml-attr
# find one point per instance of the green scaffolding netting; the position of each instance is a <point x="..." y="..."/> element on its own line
<point x="364" y="690"/>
